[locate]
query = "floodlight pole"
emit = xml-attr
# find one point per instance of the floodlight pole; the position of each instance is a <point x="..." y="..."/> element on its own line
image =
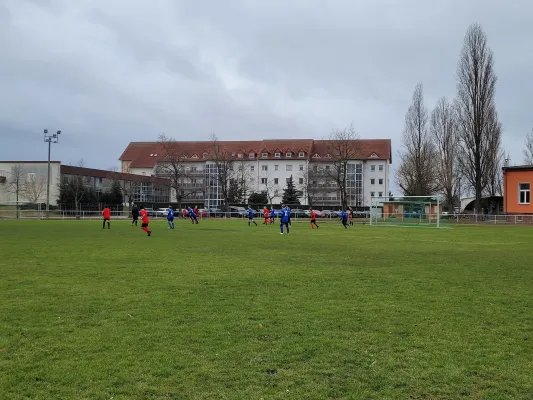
<point x="49" y="139"/>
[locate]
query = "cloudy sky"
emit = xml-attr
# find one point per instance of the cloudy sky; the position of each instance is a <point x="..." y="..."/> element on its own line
<point x="110" y="72"/>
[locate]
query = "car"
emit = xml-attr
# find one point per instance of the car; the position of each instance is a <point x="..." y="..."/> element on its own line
<point x="161" y="212"/>
<point x="214" y="212"/>
<point x="298" y="213"/>
<point x="150" y="211"/>
<point x="238" y="212"/>
<point x="318" y="213"/>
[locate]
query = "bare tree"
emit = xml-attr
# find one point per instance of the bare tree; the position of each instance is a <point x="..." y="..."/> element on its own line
<point x="528" y="151"/>
<point x="476" y="82"/>
<point x="173" y="167"/>
<point x="495" y="156"/>
<point x="223" y="161"/>
<point x="243" y="178"/>
<point x="310" y="187"/>
<point x="417" y="174"/>
<point x="113" y="168"/>
<point x="15" y="184"/>
<point x="34" y="188"/>
<point x="342" y="147"/>
<point x="444" y="132"/>
<point x="268" y="186"/>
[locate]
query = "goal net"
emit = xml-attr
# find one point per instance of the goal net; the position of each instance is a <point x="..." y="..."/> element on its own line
<point x="406" y="211"/>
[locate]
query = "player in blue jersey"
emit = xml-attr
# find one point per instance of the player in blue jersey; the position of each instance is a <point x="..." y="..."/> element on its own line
<point x="285" y="216"/>
<point x="344" y="219"/>
<point x="251" y="216"/>
<point x="192" y="216"/>
<point x="170" y="217"/>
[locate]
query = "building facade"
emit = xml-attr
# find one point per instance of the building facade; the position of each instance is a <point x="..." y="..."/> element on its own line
<point x="267" y="165"/>
<point x="517" y="183"/>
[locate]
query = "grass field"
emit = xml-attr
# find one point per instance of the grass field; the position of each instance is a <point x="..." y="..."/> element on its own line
<point x="222" y="311"/>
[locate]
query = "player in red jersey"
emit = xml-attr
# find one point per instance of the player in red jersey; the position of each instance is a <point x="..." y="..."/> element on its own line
<point x="145" y="221"/>
<point x="266" y="215"/>
<point x="106" y="212"/>
<point x="312" y="214"/>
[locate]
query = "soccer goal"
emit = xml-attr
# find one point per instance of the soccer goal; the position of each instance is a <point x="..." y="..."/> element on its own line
<point x="406" y="211"/>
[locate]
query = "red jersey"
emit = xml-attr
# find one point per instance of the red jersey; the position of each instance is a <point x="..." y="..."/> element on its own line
<point x="144" y="216"/>
<point x="265" y="212"/>
<point x="107" y="213"/>
<point x="313" y="215"/>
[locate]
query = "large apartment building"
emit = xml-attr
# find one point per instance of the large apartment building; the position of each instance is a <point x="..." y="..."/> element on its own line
<point x="267" y="165"/>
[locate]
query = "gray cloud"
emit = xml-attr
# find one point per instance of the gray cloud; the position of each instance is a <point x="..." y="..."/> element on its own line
<point x="107" y="73"/>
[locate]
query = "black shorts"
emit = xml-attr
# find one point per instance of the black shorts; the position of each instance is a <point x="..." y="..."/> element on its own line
<point x="135" y="217"/>
<point x="143" y="225"/>
<point x="107" y="219"/>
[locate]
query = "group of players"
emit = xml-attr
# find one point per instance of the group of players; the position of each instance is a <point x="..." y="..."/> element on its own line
<point x="269" y="217"/>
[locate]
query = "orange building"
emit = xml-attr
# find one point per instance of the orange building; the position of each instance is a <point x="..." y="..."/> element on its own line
<point x="517" y="189"/>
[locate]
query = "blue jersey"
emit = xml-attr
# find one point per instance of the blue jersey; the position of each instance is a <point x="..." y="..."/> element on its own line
<point x="250" y="212"/>
<point x="285" y="214"/>
<point x="191" y="212"/>
<point x="344" y="216"/>
<point x="170" y="214"/>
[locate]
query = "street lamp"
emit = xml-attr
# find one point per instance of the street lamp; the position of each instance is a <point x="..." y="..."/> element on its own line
<point x="49" y="139"/>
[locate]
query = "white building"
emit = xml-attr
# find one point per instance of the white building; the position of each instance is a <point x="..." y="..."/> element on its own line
<point x="267" y="165"/>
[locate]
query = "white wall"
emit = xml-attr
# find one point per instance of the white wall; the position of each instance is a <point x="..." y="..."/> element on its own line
<point x="376" y="174"/>
<point x="40" y="170"/>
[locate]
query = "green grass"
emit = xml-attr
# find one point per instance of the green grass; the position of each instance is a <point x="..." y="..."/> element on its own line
<point x="222" y="311"/>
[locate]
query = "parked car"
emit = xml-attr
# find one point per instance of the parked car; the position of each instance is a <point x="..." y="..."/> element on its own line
<point x="150" y="211"/>
<point x="214" y="212"/>
<point x="318" y="213"/>
<point x="238" y="212"/>
<point x="298" y="213"/>
<point x="161" y="212"/>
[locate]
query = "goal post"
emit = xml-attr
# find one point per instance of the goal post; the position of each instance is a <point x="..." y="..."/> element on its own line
<point x="406" y="211"/>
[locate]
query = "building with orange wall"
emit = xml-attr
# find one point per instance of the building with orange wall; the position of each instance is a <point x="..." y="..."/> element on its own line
<point x="517" y="183"/>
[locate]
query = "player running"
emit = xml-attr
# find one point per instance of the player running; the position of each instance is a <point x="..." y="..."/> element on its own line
<point x="106" y="212"/>
<point x="285" y="217"/>
<point x="145" y="221"/>
<point x="344" y="219"/>
<point x="266" y="216"/>
<point x="134" y="215"/>
<point x="170" y="217"/>
<point x="350" y="215"/>
<point x="312" y="214"/>
<point x="251" y="216"/>
<point x="192" y="216"/>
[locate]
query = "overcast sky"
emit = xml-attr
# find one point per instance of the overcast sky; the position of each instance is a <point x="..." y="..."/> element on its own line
<point x="110" y="72"/>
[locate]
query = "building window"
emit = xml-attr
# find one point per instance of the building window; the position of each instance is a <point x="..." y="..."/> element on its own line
<point x="380" y="181"/>
<point x="252" y="168"/>
<point x="381" y="168"/>
<point x="301" y="154"/>
<point x="524" y="193"/>
<point x="372" y="194"/>
<point x="239" y="155"/>
<point x="205" y="155"/>
<point x="251" y="155"/>
<point x="233" y="154"/>
<point x="301" y="167"/>
<point x="276" y="167"/>
<point x="31" y="176"/>
<point x="264" y="167"/>
<point x="315" y="168"/>
<point x="380" y="194"/>
<point x="264" y="155"/>
<point x="288" y="154"/>
<point x="372" y="168"/>
<point x="372" y="181"/>
<point x="287" y="180"/>
<point x="289" y="168"/>
<point x="301" y="181"/>
<point x="276" y="180"/>
<point x="264" y="181"/>
<point x="277" y="155"/>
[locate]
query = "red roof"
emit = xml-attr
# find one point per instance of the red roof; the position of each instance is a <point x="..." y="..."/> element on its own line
<point x="148" y="154"/>
<point x="118" y="176"/>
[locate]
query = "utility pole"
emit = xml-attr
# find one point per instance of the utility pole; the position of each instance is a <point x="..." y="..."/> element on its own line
<point x="49" y="139"/>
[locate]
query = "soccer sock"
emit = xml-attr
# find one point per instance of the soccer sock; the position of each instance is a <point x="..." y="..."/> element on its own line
<point x="144" y="228"/>
<point x="108" y="225"/>
<point x="287" y="228"/>
<point x="248" y="223"/>
<point x="254" y="223"/>
<point x="103" y="225"/>
<point x="172" y="225"/>
<point x="281" y="228"/>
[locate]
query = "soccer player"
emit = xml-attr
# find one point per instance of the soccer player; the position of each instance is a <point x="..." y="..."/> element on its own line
<point x="312" y="214"/>
<point x="344" y="219"/>
<point x="284" y="219"/>
<point x="106" y="212"/>
<point x="145" y="221"/>
<point x="192" y="216"/>
<point x="170" y="217"/>
<point x="350" y="214"/>
<point x="134" y="215"/>
<point x="266" y="216"/>
<point x="272" y="215"/>
<point x="251" y="216"/>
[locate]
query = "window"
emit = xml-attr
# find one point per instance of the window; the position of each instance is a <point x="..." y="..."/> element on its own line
<point x="264" y="167"/>
<point x="327" y="167"/>
<point x="277" y="155"/>
<point x="276" y="167"/>
<point x="264" y="181"/>
<point x="380" y="181"/>
<point x="372" y="194"/>
<point x="372" y="168"/>
<point x="315" y="168"/>
<point x="301" y="154"/>
<point x="251" y="155"/>
<point x="372" y="181"/>
<point x="31" y="176"/>
<point x="204" y="156"/>
<point x="301" y="167"/>
<point x="288" y="154"/>
<point x="381" y="168"/>
<point x="233" y="154"/>
<point x="301" y="181"/>
<point x="252" y="168"/>
<point x="380" y="194"/>
<point x="524" y="193"/>
<point x="239" y="155"/>
<point x="287" y="180"/>
<point x="289" y="168"/>
<point x="194" y="156"/>
<point x="276" y="180"/>
<point x="264" y="155"/>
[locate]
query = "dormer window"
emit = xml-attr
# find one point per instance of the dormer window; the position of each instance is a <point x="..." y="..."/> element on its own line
<point x="151" y="155"/>
<point x="239" y="155"/>
<point x="251" y="155"/>
<point x="205" y="155"/>
<point x="301" y="154"/>
<point x="316" y="156"/>
<point x="328" y="155"/>
<point x="264" y="155"/>
<point x="194" y="156"/>
<point x="277" y="155"/>
<point x="288" y="154"/>
<point x="233" y="154"/>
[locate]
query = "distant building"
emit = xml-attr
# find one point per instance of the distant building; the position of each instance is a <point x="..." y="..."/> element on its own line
<point x="267" y="165"/>
<point x="517" y="189"/>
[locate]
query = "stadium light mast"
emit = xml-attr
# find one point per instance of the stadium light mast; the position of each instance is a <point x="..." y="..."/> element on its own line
<point x="49" y="139"/>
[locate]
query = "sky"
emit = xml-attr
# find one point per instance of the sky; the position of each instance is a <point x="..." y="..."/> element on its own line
<point x="109" y="72"/>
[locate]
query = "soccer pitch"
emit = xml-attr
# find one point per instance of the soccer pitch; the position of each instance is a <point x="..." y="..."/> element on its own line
<point x="220" y="310"/>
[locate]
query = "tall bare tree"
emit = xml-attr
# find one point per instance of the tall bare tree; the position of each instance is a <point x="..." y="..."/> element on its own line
<point x="268" y="186"/>
<point x="342" y="146"/>
<point x="243" y="177"/>
<point x="223" y="160"/>
<point x="476" y="83"/>
<point x="15" y="184"/>
<point x="444" y="132"/>
<point x="528" y="151"/>
<point x="310" y="187"/>
<point x="34" y="188"/>
<point x="495" y="156"/>
<point x="417" y="174"/>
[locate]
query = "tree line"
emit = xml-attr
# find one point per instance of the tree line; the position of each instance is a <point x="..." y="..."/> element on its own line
<point x="458" y="145"/>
